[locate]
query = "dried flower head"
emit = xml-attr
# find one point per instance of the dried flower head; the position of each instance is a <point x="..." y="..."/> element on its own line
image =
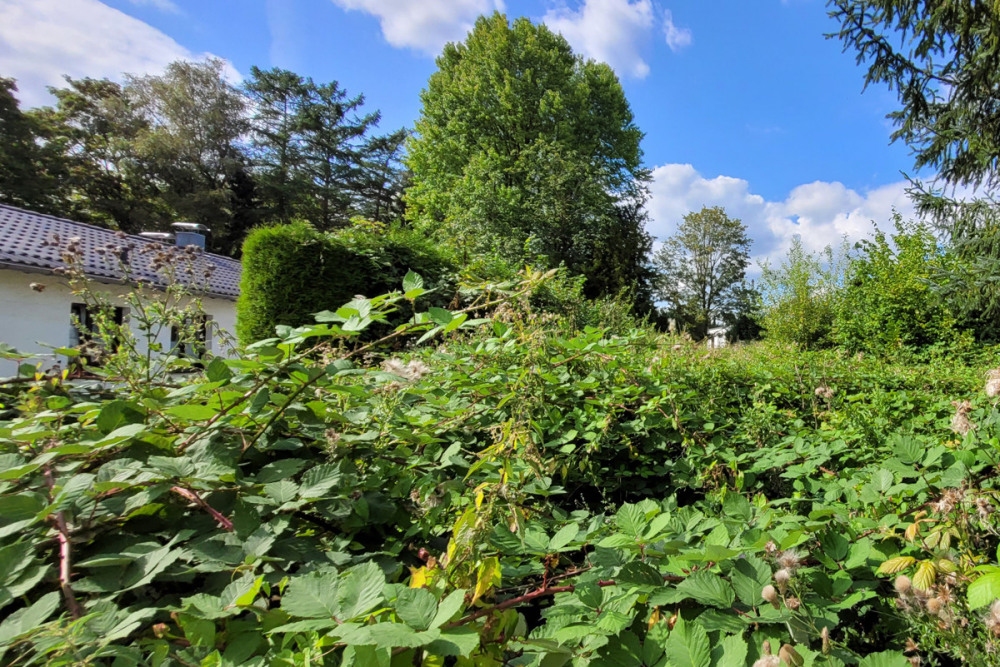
<point x="993" y="387"/>
<point x="934" y="606"/>
<point x="960" y="422"/>
<point x="790" y="559"/>
<point x="793" y="603"/>
<point x="903" y="584"/>
<point x="766" y="659"/>
<point x="782" y="577"/>
<point x="825" y="392"/>
<point x="993" y="619"/>
<point x="770" y="594"/>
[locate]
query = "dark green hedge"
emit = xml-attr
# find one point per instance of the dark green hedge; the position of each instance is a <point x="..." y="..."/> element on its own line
<point x="291" y="272"/>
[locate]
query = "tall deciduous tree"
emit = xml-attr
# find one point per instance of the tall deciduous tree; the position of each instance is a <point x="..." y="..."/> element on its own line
<point x="519" y="139"/>
<point x="31" y="164"/>
<point x="97" y="128"/>
<point x="702" y="267"/>
<point x="197" y="123"/>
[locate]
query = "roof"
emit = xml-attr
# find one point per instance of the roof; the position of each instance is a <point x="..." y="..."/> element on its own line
<point x="26" y="243"/>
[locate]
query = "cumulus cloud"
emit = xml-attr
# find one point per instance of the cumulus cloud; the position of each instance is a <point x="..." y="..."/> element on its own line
<point x="425" y="25"/>
<point x="677" y="38"/>
<point x="40" y="40"/>
<point x="612" y="31"/>
<point x="822" y="213"/>
<point x="163" y="5"/>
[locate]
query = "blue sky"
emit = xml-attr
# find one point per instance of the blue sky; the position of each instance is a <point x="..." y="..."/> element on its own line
<point x="744" y="104"/>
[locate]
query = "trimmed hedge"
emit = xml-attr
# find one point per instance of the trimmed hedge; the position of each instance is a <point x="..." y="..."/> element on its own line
<point x="291" y="272"/>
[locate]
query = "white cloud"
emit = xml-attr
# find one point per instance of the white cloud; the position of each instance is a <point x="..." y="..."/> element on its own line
<point x="677" y="38"/>
<point x="611" y="31"/>
<point x="40" y="40"/>
<point x="167" y="6"/>
<point x="821" y="213"/>
<point x="425" y="25"/>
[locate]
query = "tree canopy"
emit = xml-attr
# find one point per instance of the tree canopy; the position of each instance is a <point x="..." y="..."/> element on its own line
<point x="943" y="59"/>
<point x="520" y="142"/>
<point x="702" y="267"/>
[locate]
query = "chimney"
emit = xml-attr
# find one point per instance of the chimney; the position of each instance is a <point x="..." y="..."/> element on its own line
<point x="162" y="237"/>
<point x="189" y="233"/>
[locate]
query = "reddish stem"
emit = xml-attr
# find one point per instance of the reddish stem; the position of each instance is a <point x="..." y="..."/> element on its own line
<point x="224" y="522"/>
<point x="65" y="553"/>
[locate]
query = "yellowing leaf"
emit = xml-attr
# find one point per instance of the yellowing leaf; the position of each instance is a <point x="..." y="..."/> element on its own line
<point x="418" y="577"/>
<point x="946" y="566"/>
<point x="487" y="577"/>
<point x="925" y="575"/>
<point x="911" y="532"/>
<point x="894" y="565"/>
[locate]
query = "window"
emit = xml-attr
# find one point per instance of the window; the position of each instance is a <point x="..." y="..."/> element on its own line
<point x="193" y="339"/>
<point x="85" y="327"/>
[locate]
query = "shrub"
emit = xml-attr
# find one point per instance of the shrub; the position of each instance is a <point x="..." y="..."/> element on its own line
<point x="291" y="272"/>
<point x="800" y="296"/>
<point x="888" y="302"/>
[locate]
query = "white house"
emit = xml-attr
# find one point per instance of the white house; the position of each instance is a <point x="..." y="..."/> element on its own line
<point x="37" y="307"/>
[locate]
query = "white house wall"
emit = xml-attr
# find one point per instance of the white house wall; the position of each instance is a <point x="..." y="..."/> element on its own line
<point x="29" y="318"/>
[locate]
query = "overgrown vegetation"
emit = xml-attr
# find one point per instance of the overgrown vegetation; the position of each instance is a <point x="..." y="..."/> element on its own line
<point x="433" y="456"/>
<point x="509" y="490"/>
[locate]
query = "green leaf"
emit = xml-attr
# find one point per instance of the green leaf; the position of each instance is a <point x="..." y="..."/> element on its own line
<point x="708" y="588"/>
<point x="730" y="652"/>
<point x="416" y="607"/>
<point x="218" y="371"/>
<point x="313" y="596"/>
<point x="448" y="607"/>
<point x="440" y="316"/>
<point x="29" y="618"/>
<point x="412" y="281"/>
<point x="198" y="631"/>
<point x="687" y="645"/>
<point x="639" y="574"/>
<point x="455" y="642"/>
<point x="885" y="659"/>
<point x="360" y="589"/>
<point x="565" y="535"/>
<point x="631" y="520"/>
<point x="984" y="590"/>
<point x="192" y="412"/>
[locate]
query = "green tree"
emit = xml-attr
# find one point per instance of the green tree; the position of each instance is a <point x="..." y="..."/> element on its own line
<point x="943" y="59"/>
<point x="887" y="302"/>
<point x="701" y="268"/>
<point x="383" y="178"/>
<point x="521" y="142"/>
<point x="333" y="144"/>
<point x="97" y="127"/>
<point x="31" y="163"/>
<point x="799" y="297"/>
<point x="278" y="98"/>
<point x="194" y="147"/>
